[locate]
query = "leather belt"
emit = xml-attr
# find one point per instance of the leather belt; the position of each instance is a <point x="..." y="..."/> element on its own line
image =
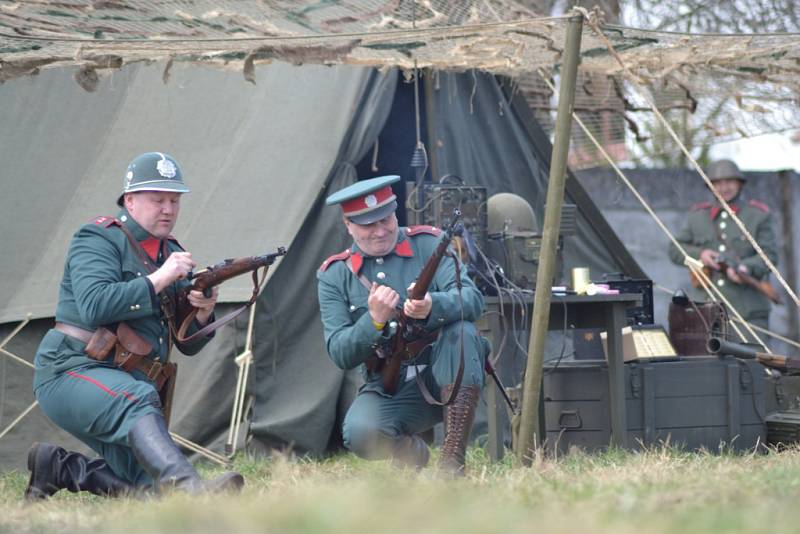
<point x="153" y="369"/>
<point x="73" y="331"/>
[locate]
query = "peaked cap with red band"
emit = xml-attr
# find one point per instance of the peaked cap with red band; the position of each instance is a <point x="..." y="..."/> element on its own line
<point x="367" y="201"/>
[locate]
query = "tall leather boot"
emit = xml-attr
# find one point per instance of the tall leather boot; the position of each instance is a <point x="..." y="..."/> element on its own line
<point x="458" y="418"/>
<point x="163" y="461"/>
<point x="54" y="468"/>
<point x="410" y="451"/>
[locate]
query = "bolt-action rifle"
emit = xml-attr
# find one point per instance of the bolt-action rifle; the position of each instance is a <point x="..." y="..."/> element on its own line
<point x="410" y="335"/>
<point x="214" y="275"/>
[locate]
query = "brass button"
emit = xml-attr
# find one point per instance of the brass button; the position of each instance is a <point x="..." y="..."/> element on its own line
<point x="352" y="307"/>
<point x="379" y="261"/>
<point x="721" y="248"/>
<point x="724" y="215"/>
<point x="722" y="225"/>
<point x="381" y="275"/>
<point x="720" y="283"/>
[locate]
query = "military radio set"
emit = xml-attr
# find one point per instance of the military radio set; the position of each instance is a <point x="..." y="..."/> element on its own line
<point x="441" y="199"/>
<point x="501" y="241"/>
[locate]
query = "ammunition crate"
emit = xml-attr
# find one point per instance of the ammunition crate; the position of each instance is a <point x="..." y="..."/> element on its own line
<point x="699" y="403"/>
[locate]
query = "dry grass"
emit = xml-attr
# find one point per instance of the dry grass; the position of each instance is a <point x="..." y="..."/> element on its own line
<point x="660" y="490"/>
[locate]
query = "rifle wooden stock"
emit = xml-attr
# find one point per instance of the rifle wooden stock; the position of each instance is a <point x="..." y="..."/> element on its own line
<point x="411" y="337"/>
<point x="762" y="286"/>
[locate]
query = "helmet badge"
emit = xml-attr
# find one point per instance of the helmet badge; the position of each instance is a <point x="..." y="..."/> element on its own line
<point x="128" y="178"/>
<point x="166" y="168"/>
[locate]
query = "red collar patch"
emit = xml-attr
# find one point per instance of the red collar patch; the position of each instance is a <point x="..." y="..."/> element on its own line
<point x="355" y="261"/>
<point x="403" y="248"/>
<point x="151" y="246"/>
<point x="717" y="209"/>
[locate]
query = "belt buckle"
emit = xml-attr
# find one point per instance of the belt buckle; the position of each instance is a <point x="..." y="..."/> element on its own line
<point x="155" y="370"/>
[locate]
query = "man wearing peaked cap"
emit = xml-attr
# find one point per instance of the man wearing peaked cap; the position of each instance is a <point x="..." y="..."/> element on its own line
<point x="711" y="236"/>
<point x="360" y="291"/>
<point x="102" y="372"/>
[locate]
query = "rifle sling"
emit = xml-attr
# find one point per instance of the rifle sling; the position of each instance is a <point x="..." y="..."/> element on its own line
<point x="429" y="398"/>
<point x="211" y="327"/>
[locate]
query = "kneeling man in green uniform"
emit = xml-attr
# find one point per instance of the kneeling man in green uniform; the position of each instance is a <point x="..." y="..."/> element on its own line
<point x="360" y="291"/>
<point x="102" y="372"/>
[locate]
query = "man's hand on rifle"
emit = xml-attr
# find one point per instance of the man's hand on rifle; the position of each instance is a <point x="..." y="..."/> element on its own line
<point x="204" y="305"/>
<point x="418" y="309"/>
<point x="382" y="302"/>
<point x="733" y="274"/>
<point x="709" y="258"/>
<point x="177" y="267"/>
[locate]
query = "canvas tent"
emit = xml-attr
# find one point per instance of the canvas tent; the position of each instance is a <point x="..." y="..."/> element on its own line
<point x="260" y="159"/>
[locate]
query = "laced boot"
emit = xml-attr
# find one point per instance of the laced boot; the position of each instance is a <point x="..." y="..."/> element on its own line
<point x="458" y="418"/>
<point x="54" y="468"/>
<point x="410" y="451"/>
<point x="163" y="461"/>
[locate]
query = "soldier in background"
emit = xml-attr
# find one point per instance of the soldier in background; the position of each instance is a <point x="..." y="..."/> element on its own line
<point x="727" y="256"/>
<point x="102" y="371"/>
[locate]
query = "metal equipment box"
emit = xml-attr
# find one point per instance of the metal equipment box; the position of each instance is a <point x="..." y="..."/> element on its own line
<point x="698" y="403"/>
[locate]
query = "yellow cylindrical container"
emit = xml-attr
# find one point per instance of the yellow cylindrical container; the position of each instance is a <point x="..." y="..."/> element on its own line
<point x="580" y="279"/>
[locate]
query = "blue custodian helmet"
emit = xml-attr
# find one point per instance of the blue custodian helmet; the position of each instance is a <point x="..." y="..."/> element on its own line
<point x="153" y="171"/>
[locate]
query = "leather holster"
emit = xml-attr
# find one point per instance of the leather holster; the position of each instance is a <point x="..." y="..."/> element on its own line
<point x="131" y="348"/>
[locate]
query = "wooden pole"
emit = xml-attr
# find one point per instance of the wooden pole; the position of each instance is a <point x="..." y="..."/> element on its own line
<point x="787" y="222"/>
<point x="529" y="425"/>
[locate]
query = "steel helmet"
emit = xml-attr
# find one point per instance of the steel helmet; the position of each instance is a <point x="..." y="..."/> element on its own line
<point x="153" y="171"/>
<point x="510" y="214"/>
<point x="724" y="169"/>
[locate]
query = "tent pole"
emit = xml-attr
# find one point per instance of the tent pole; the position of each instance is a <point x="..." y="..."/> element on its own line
<point x="530" y="424"/>
<point x="430" y="121"/>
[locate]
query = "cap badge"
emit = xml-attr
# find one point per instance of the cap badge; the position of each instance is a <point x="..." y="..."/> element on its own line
<point x="166" y="168"/>
<point x="371" y="201"/>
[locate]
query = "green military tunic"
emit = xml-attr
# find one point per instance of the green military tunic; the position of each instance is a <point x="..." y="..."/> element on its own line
<point x="710" y="227"/>
<point x="104" y="283"/>
<point x="350" y="336"/>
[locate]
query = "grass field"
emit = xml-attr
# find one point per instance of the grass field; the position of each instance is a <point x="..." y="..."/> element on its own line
<point x="661" y="490"/>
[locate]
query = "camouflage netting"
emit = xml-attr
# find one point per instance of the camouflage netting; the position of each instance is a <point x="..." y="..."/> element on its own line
<point x="733" y="85"/>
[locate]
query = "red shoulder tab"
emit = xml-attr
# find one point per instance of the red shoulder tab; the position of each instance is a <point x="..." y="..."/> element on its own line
<point x="104" y="220"/>
<point x="701" y="206"/>
<point x="336" y="257"/>
<point x="759" y="205"/>
<point x="422" y="229"/>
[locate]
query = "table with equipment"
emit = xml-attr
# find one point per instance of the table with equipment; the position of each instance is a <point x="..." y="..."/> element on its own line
<point x="606" y="312"/>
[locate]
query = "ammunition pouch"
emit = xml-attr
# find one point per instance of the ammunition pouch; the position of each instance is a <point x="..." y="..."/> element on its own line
<point x="100" y="344"/>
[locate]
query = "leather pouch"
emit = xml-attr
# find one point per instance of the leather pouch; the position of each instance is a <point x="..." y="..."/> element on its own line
<point x="100" y="344"/>
<point x="131" y="348"/>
